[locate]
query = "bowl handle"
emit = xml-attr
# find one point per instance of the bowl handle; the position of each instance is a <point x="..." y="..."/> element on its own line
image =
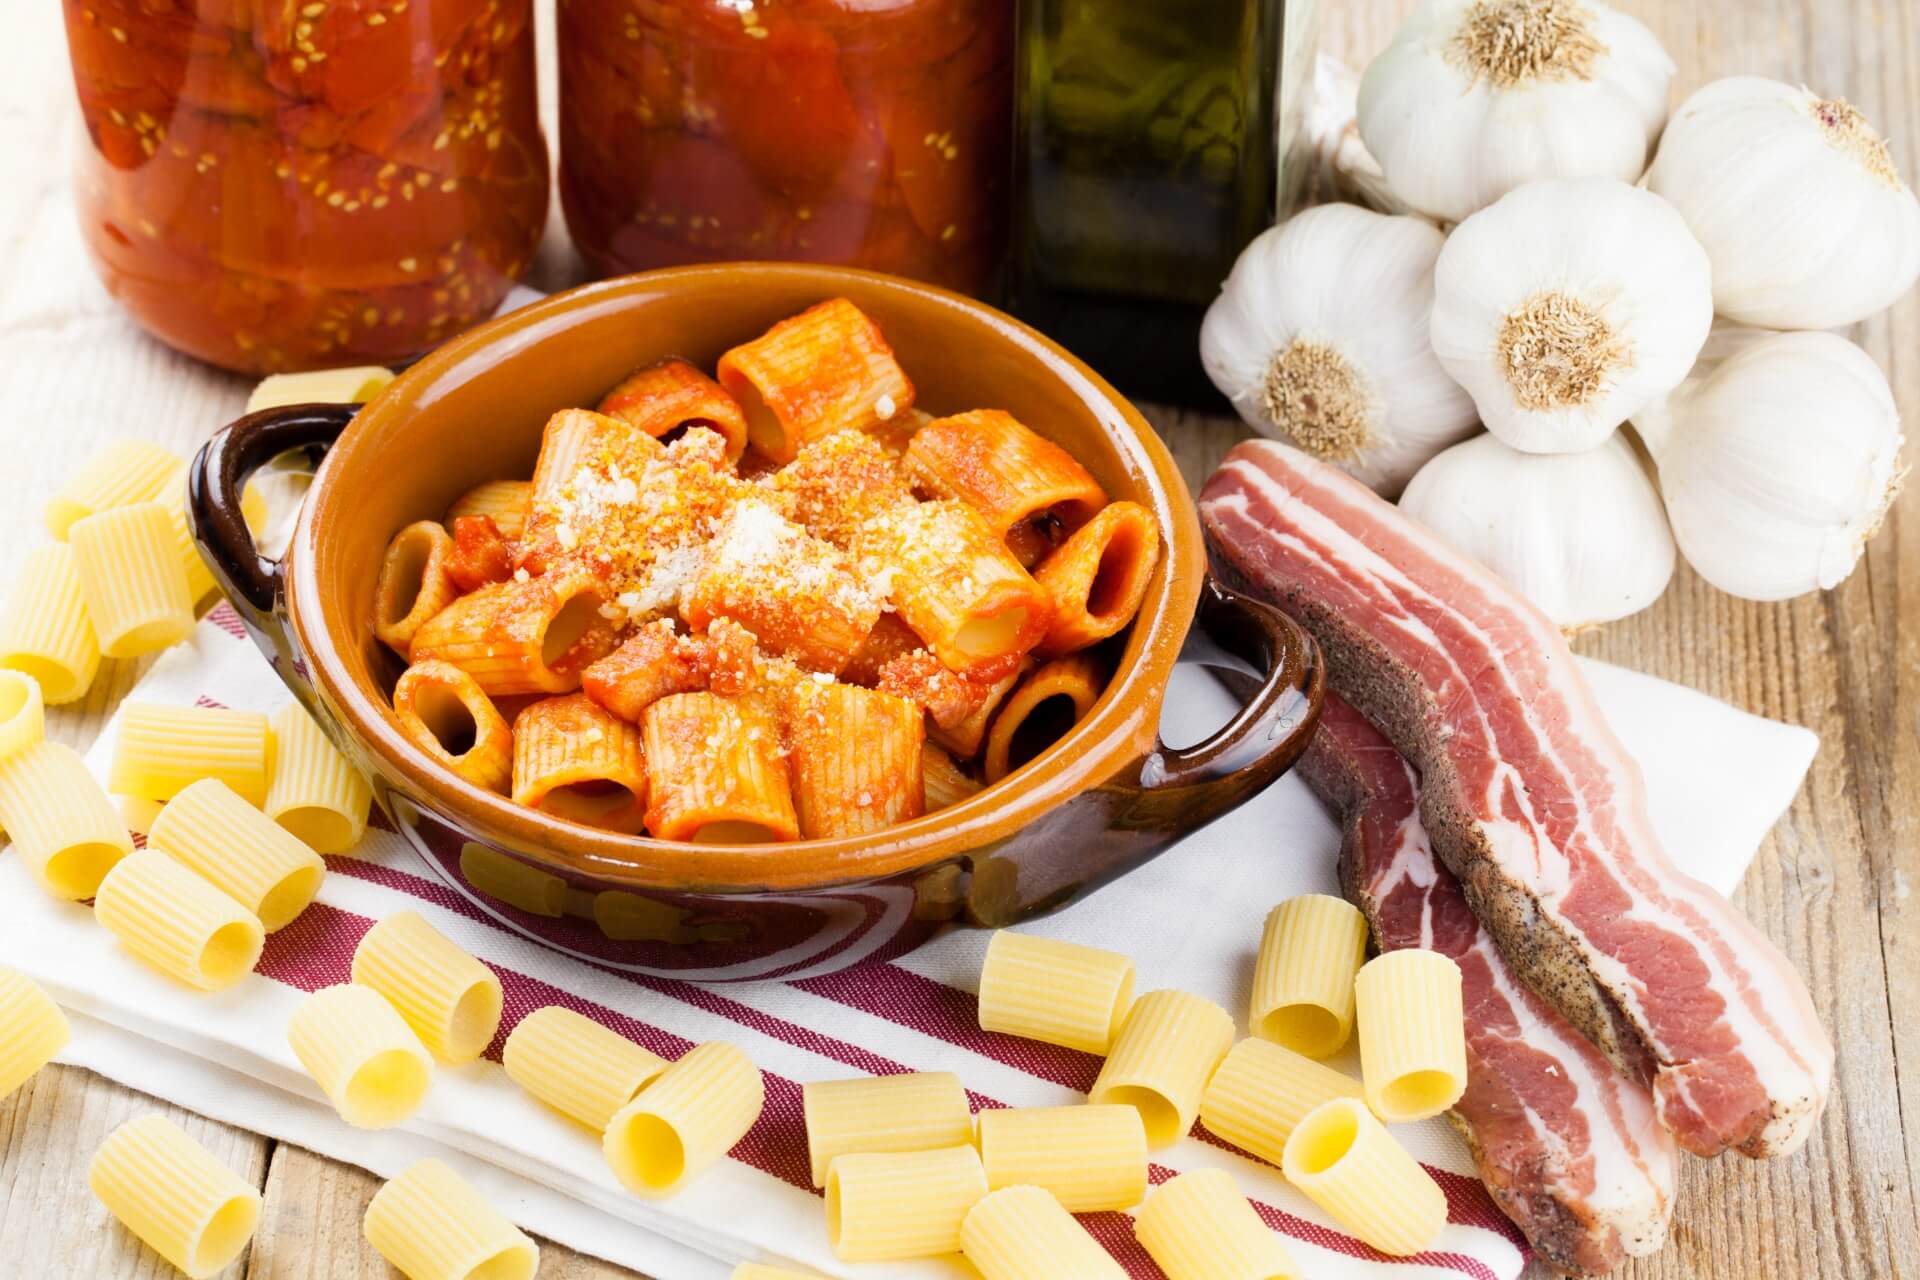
<point x="253" y="583"/>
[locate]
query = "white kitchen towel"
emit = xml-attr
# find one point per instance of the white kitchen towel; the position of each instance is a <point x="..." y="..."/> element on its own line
<point x="1191" y="918"/>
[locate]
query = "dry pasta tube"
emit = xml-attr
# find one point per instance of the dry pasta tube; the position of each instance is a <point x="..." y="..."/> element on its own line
<point x="159" y="751"/>
<point x="61" y="823"/>
<point x="1022" y="1233"/>
<point x="23" y="717"/>
<point x="1260" y="1091"/>
<point x="1344" y="1160"/>
<point x="813" y="374"/>
<point x="414" y="584"/>
<point x="1059" y="992"/>
<point x="446" y="713"/>
<point x="316" y="793"/>
<point x="513" y="882"/>
<point x="672" y="395"/>
<point x="505" y="502"/>
<point x="1008" y="473"/>
<point x="200" y="580"/>
<point x="854" y="759"/>
<point x="687" y="1119"/>
<point x="1199" y="1227"/>
<point x="321" y="386"/>
<point x="717" y="772"/>
<point x="1413" y="1046"/>
<point x="32" y="1030"/>
<point x="452" y="1001"/>
<point x="576" y="760"/>
<point x="45" y="631"/>
<point x="176" y="923"/>
<point x="1170" y="1044"/>
<point x="432" y="1225"/>
<point x="513" y="637"/>
<point x="1043" y="708"/>
<point x="578" y="1067"/>
<point x="884" y="1206"/>
<point x="239" y="851"/>
<point x="170" y="1192"/>
<point x="1310" y="950"/>
<point x="123" y="472"/>
<point x="360" y="1052"/>
<point x="1099" y="576"/>
<point x="1089" y="1157"/>
<point x="943" y="782"/>
<point x="914" y="1112"/>
<point x="132" y="579"/>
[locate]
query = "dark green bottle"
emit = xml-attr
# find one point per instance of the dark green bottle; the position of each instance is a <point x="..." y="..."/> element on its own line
<point x="1145" y="159"/>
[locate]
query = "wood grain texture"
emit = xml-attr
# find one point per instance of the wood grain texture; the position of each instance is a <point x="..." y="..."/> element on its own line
<point x="1833" y="884"/>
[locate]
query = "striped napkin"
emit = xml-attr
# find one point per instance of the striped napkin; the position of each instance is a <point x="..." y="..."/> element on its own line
<point x="1191" y="919"/>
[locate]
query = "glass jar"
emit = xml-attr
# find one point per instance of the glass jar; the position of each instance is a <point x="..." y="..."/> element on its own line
<point x="291" y="184"/>
<point x="865" y="132"/>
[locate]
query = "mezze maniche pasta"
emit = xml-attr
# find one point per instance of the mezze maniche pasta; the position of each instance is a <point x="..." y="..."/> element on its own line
<point x="740" y="609"/>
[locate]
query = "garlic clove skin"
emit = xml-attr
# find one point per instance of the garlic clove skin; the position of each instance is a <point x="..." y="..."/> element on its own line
<point x="1567" y="306"/>
<point x="1777" y="462"/>
<point x="1796" y="200"/>
<point x="1581" y="535"/>
<point x="1319" y="338"/>
<point x="1475" y="97"/>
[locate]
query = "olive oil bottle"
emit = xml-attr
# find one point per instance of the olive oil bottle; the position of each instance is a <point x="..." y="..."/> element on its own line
<point x="1146" y="154"/>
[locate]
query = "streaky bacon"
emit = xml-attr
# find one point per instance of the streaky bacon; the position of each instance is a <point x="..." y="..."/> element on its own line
<point x="1568" y="1147"/>
<point x="1532" y="802"/>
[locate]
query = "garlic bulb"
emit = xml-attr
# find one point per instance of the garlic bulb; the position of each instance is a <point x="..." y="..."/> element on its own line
<point x="1777" y="461"/>
<point x="1796" y="200"/>
<point x="1475" y="97"/>
<point x="1319" y="337"/>
<point x="1581" y="535"/>
<point x="1566" y="305"/>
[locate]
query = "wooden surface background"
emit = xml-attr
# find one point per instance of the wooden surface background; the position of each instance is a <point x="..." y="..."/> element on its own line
<point x="1834" y="884"/>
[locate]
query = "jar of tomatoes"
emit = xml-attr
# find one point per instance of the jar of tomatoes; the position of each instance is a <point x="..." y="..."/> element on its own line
<point x="873" y="133"/>
<point x="288" y="184"/>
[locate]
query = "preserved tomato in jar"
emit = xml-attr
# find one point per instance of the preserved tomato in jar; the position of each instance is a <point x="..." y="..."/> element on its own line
<point x="873" y="133"/>
<point x="290" y="184"/>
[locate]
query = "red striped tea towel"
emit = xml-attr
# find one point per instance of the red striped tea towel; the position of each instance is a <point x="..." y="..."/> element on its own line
<point x="1719" y="779"/>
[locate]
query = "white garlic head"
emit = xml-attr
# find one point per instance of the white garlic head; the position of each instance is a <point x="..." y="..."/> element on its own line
<point x="1475" y="97"/>
<point x="1797" y="201"/>
<point x="1777" y="461"/>
<point x="1581" y="535"/>
<point x="1566" y="306"/>
<point x="1319" y="338"/>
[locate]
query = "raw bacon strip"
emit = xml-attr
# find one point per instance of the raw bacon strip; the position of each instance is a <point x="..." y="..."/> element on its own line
<point x="1568" y="1147"/>
<point x="1531" y="801"/>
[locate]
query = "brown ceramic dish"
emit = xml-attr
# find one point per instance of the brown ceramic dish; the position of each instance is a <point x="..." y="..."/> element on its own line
<point x="1101" y="801"/>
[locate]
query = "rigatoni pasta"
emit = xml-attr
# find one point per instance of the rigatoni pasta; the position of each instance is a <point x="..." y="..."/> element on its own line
<point x="573" y="759"/>
<point x="61" y="823"/>
<point x="1310" y="950"/>
<point x="319" y="386"/>
<point x="159" y="750"/>
<point x="431" y="1224"/>
<point x="1159" y="1064"/>
<point x="1098" y="576"/>
<point x="123" y="472"/>
<point x="1005" y="471"/>
<point x="446" y="713"/>
<point x="169" y="1191"/>
<point x="23" y="719"/>
<point x="1022" y="1233"/>
<point x="1059" y="992"/>
<point x="1344" y="1160"/>
<point x="132" y="579"/>
<point x="812" y="374"/>
<point x="1260" y="1091"/>
<point x="944" y="783"/>
<point x="315" y="792"/>
<point x="32" y="1030"/>
<point x="1413" y="1048"/>
<point x="505" y="502"/>
<point x="1041" y="708"/>
<point x="532" y="636"/>
<point x="452" y="1001"/>
<point x="200" y="580"/>
<point x="718" y="775"/>
<point x="885" y="1206"/>
<point x="854" y="759"/>
<point x="1199" y="1227"/>
<point x="362" y="1054"/>
<point x="578" y="1067"/>
<point x="672" y="395"/>
<point x="1089" y="1157"/>
<point x="240" y="851"/>
<point x="414" y="584"/>
<point x="918" y="1111"/>
<point x="688" y="1118"/>
<point x="45" y="630"/>
<point x="177" y="924"/>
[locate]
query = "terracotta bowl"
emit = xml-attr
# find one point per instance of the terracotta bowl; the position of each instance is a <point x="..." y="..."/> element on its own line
<point x="1104" y="799"/>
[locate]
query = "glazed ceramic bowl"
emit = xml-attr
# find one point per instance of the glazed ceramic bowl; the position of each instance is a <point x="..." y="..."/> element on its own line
<point x="1102" y="800"/>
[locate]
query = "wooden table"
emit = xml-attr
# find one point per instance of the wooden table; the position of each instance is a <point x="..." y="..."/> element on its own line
<point x="1834" y="884"/>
